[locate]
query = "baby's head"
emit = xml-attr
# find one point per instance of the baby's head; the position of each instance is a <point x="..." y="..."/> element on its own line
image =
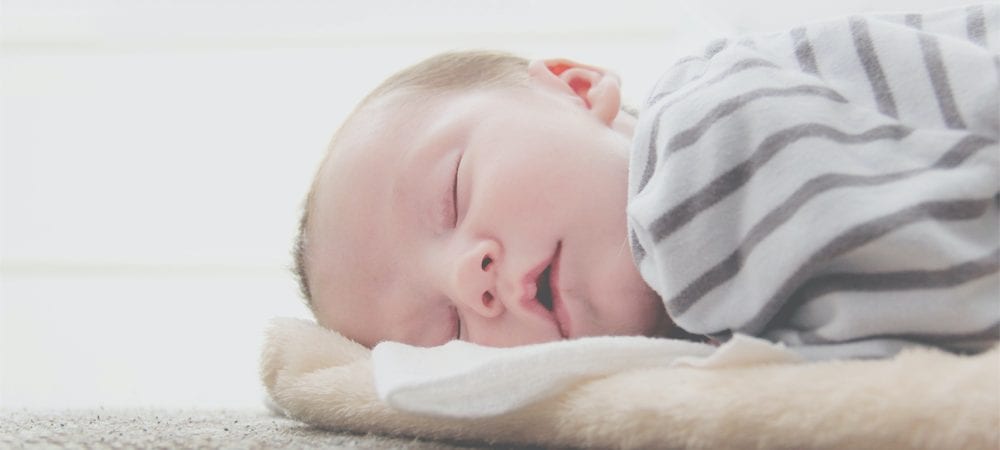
<point x="479" y="196"/>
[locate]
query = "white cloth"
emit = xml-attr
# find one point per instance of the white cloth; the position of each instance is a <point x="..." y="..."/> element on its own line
<point x="460" y="379"/>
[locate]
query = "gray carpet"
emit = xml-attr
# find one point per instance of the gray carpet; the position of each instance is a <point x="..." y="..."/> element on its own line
<point x="203" y="429"/>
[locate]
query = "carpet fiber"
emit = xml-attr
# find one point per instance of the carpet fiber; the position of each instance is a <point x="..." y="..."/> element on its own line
<point x="203" y="429"/>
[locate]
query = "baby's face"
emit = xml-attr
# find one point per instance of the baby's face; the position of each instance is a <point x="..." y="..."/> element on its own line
<point x="496" y="216"/>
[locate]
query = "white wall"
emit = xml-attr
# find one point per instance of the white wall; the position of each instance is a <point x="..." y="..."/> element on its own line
<point x="153" y="156"/>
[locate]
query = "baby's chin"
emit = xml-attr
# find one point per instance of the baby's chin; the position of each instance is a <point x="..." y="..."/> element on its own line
<point x="648" y="319"/>
<point x="639" y="311"/>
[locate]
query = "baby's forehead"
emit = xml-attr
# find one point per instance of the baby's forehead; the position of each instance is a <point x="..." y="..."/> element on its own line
<point x="396" y="121"/>
<point x="403" y="106"/>
<point x="372" y="123"/>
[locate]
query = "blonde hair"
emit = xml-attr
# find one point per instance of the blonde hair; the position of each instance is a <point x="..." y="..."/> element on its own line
<point x="445" y="72"/>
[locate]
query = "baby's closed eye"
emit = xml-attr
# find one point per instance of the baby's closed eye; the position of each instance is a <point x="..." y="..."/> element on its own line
<point x="452" y="216"/>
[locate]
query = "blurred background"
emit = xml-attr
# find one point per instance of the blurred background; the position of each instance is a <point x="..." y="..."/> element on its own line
<point x="154" y="156"/>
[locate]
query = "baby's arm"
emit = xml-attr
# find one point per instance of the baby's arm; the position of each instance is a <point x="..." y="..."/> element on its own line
<point x="833" y="187"/>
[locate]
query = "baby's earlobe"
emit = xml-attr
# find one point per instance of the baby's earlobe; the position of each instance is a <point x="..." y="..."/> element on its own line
<point x="604" y="99"/>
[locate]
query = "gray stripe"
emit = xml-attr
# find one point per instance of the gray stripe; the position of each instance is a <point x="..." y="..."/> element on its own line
<point x="864" y="233"/>
<point x="939" y="80"/>
<point x="691" y="135"/>
<point x="688" y="59"/>
<point x="651" y="153"/>
<point x="903" y="280"/>
<point x="731" y="265"/>
<point x="996" y="64"/>
<point x="804" y="51"/>
<point x="975" y="340"/>
<point x="958" y="153"/>
<point x="975" y="24"/>
<point x="980" y="340"/>
<point x="915" y="21"/>
<point x="638" y="253"/>
<point x="715" y="47"/>
<point x="735" y="178"/>
<point x="873" y="69"/>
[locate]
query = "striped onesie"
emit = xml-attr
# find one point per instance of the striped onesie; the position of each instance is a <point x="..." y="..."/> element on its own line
<point x="834" y="188"/>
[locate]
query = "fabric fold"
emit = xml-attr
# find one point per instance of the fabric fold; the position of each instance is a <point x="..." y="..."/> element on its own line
<point x="460" y="379"/>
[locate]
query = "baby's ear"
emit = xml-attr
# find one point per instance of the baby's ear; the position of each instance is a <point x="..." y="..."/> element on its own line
<point x="598" y="89"/>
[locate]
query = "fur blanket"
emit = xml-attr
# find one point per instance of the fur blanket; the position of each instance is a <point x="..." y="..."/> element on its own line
<point x="923" y="398"/>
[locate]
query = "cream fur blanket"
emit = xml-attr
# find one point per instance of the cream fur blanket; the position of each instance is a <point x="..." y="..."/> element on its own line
<point x="923" y="398"/>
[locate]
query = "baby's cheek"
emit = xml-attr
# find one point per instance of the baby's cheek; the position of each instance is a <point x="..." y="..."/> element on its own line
<point x="517" y="189"/>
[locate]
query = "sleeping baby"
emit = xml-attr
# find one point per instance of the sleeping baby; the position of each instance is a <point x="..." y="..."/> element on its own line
<point x="833" y="188"/>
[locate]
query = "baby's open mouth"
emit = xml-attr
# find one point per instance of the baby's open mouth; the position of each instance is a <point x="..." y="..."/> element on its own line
<point x="542" y="296"/>
<point x="544" y="293"/>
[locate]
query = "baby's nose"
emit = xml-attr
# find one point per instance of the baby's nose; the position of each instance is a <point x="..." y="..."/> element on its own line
<point x="475" y="279"/>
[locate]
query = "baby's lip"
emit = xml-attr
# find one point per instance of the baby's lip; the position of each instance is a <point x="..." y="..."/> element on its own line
<point x="558" y="306"/>
<point x="558" y="315"/>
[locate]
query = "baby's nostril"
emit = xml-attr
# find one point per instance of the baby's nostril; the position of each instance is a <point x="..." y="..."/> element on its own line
<point x="487" y="298"/>
<point x="486" y="262"/>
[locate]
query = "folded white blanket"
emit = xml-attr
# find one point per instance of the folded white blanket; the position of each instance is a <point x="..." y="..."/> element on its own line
<point x="461" y="379"/>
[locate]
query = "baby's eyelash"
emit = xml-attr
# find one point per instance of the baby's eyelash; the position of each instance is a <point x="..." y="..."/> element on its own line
<point x="458" y="323"/>
<point x="454" y="194"/>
